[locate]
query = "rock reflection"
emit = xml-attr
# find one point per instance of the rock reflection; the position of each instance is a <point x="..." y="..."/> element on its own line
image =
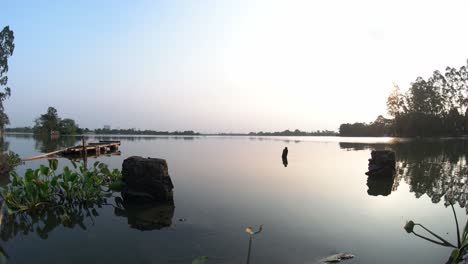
<point x="380" y="185"/>
<point x="145" y="216"/>
<point x="431" y="167"/>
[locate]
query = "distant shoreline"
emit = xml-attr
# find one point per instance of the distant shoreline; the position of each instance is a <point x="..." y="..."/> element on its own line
<point x="239" y="135"/>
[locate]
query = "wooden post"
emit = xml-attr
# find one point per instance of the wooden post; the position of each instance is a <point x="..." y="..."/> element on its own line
<point x="83" y="140"/>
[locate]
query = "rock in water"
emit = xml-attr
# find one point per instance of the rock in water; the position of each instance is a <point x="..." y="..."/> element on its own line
<point x="146" y="179"/>
<point x="337" y="258"/>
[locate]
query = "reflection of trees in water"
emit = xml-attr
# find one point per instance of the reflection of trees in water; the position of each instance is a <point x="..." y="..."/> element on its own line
<point x="4" y="145"/>
<point x="432" y="167"/>
<point x="42" y="222"/>
<point x="47" y="144"/>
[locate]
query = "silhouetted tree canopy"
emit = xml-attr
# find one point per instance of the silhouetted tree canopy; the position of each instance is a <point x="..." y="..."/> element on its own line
<point x="380" y="127"/>
<point x="7" y="47"/>
<point x="436" y="106"/>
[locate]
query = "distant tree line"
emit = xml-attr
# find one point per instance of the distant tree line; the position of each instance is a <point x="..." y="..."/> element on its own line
<point x="437" y="106"/>
<point x="19" y="130"/>
<point x="296" y="132"/>
<point x="380" y="127"/>
<point x="132" y="131"/>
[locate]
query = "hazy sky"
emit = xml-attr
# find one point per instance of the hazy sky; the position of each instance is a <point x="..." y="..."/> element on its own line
<point x="221" y="66"/>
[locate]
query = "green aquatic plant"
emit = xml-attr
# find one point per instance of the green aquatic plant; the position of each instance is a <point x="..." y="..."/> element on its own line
<point x="200" y="260"/>
<point x="13" y="159"/>
<point x="252" y="233"/>
<point x="459" y="252"/>
<point x="45" y="188"/>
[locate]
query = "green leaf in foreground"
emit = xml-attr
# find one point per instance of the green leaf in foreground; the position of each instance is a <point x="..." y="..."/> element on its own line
<point x="200" y="260"/>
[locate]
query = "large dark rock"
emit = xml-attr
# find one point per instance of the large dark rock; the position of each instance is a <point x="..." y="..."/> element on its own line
<point x="146" y="179"/>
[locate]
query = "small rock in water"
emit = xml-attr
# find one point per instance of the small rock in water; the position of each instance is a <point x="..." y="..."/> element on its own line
<point x="337" y="258"/>
<point x="182" y="219"/>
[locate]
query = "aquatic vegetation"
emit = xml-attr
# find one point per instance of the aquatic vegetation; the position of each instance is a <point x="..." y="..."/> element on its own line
<point x="459" y="252"/>
<point x="45" y="188"/>
<point x="252" y="233"/>
<point x="200" y="260"/>
<point x="13" y="159"/>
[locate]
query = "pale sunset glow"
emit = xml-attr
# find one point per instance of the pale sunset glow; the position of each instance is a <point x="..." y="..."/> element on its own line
<point x="225" y="66"/>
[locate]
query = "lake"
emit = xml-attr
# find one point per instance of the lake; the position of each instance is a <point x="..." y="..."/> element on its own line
<point x="320" y="204"/>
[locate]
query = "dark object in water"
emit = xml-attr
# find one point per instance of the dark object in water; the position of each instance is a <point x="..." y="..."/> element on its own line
<point x="146" y="179"/>
<point x="379" y="185"/>
<point x="284" y="156"/>
<point x="145" y="216"/>
<point x="285" y="153"/>
<point x="382" y="163"/>
<point x="337" y="258"/>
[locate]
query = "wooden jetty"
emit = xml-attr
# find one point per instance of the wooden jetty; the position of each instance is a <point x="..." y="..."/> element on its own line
<point x="92" y="149"/>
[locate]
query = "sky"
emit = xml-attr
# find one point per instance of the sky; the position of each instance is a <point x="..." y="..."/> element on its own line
<point x="224" y="66"/>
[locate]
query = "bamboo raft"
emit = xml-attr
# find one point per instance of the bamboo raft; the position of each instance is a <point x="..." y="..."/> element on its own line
<point x="92" y="149"/>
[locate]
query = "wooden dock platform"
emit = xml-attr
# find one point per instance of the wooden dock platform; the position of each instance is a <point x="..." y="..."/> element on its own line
<point x="93" y="149"/>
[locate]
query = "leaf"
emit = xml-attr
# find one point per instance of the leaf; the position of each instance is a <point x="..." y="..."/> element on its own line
<point x="44" y="170"/>
<point x="200" y="260"/>
<point x="454" y="256"/>
<point x="29" y="174"/>
<point x="117" y="186"/>
<point x="53" y="164"/>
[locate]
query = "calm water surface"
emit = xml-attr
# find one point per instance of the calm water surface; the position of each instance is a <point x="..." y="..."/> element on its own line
<point x="320" y="204"/>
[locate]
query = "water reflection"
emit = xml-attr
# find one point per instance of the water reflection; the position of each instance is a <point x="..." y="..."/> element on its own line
<point x="380" y="185"/>
<point x="145" y="216"/>
<point x="431" y="167"/>
<point x="42" y="222"/>
<point x="4" y="169"/>
<point x="47" y="144"/>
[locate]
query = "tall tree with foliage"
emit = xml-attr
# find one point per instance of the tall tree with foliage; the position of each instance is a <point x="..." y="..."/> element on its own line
<point x="433" y="107"/>
<point x="7" y="47"/>
<point x="47" y="122"/>
<point x="51" y="121"/>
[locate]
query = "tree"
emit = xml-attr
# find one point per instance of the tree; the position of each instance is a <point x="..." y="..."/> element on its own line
<point x="47" y="122"/>
<point x="51" y="121"/>
<point x="395" y="102"/>
<point x="68" y="126"/>
<point x="7" y="47"/>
